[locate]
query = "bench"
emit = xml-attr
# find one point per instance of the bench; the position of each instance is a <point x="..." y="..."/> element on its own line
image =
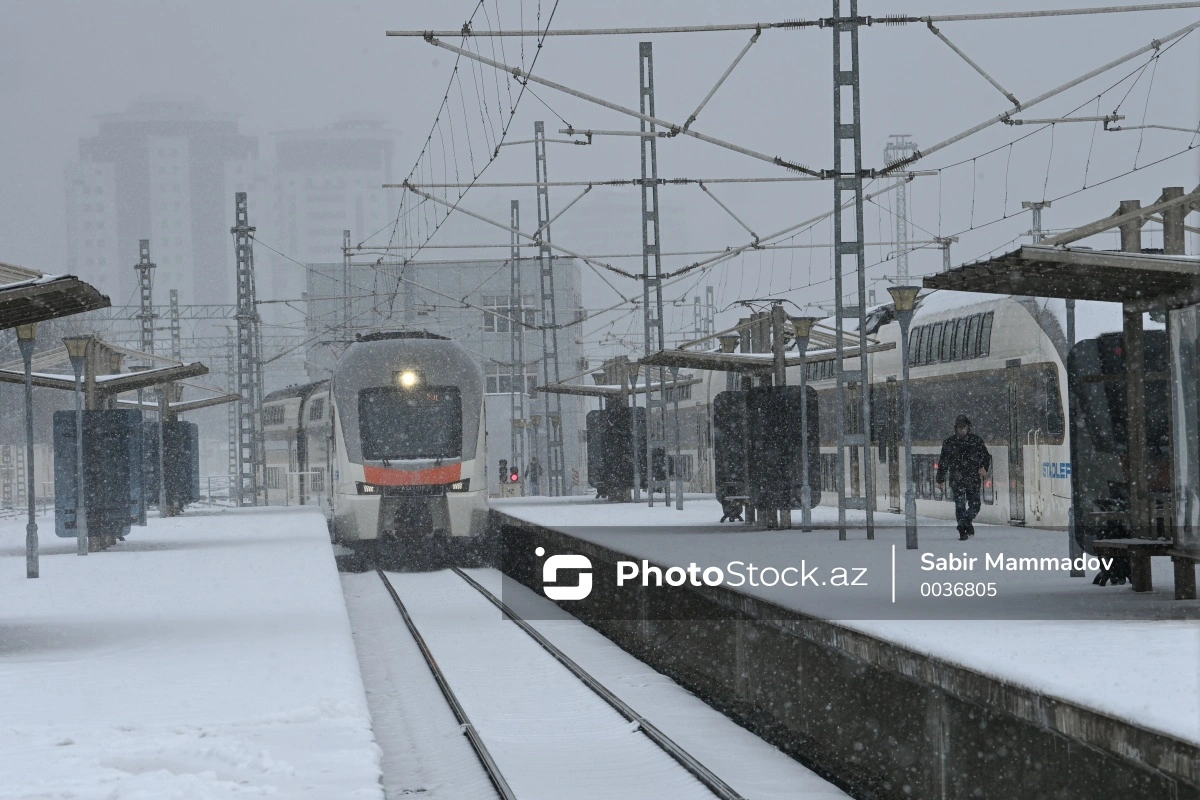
<point x="1139" y="552"/>
<point x="1185" y="573"/>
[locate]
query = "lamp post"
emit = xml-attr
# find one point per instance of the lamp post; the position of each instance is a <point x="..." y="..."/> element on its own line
<point x="77" y="347"/>
<point x="905" y="298"/>
<point x="25" y="338"/>
<point x="802" y="330"/>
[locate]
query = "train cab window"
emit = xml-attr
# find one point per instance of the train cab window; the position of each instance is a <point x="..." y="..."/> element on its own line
<point x="948" y="336"/>
<point x="316" y="409"/>
<point x="985" y="336"/>
<point x="397" y="424"/>
<point x="934" y="348"/>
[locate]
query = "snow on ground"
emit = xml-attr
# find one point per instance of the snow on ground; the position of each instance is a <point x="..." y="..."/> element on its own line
<point x="423" y="750"/>
<point x="207" y="656"/>
<point x="754" y="768"/>
<point x="1139" y="663"/>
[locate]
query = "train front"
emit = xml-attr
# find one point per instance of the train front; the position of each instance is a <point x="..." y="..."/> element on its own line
<point x="409" y="441"/>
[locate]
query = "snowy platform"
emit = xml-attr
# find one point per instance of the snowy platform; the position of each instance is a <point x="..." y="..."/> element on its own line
<point x="1052" y="653"/>
<point x="208" y="655"/>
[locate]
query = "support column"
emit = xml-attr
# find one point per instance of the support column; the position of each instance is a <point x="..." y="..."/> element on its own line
<point x="1135" y="388"/>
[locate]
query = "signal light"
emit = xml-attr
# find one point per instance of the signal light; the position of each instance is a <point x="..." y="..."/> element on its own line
<point x="513" y="476"/>
<point x="504" y="470"/>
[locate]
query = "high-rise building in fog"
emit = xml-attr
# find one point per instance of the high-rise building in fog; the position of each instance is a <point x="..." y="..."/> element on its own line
<point x="165" y="170"/>
<point x="322" y="182"/>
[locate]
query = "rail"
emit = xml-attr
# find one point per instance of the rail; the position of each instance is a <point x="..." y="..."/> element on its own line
<point x="468" y="729"/>
<point x="666" y="743"/>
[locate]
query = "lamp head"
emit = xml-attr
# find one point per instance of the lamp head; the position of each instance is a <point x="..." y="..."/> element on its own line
<point x="77" y="345"/>
<point x="802" y="326"/>
<point x="729" y="342"/>
<point x="904" y="297"/>
<point x="27" y="332"/>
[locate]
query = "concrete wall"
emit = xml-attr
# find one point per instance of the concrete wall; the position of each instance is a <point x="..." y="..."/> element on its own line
<point x="877" y="719"/>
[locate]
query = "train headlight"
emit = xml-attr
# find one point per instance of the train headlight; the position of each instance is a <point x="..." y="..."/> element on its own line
<point x="460" y="486"/>
<point x="408" y="379"/>
<point x="367" y="488"/>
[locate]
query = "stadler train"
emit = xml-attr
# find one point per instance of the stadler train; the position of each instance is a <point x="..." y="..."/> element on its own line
<point x="392" y="447"/>
<point x="998" y="359"/>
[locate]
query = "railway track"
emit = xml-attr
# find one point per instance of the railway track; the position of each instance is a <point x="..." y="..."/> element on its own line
<point x="491" y="763"/>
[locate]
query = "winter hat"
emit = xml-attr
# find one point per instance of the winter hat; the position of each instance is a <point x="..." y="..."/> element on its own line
<point x="962" y="421"/>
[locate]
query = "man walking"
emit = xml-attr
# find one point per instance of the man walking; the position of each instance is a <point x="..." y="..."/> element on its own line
<point x="966" y="458"/>
<point x="533" y="474"/>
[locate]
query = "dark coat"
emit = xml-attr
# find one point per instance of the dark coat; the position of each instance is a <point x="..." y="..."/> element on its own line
<point x="962" y="458"/>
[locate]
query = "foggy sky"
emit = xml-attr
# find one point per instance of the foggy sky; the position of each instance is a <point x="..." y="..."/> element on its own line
<point x="289" y="64"/>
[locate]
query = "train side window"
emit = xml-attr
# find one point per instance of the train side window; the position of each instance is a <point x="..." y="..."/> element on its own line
<point x="317" y="409"/>
<point x="914" y="339"/>
<point x="948" y="338"/>
<point x="935" y="342"/>
<point x="985" y="336"/>
<point x="960" y="339"/>
<point x="970" y="348"/>
<point x="1055" y="419"/>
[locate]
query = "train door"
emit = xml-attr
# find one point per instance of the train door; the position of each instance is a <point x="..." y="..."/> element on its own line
<point x="891" y="443"/>
<point x="1016" y="454"/>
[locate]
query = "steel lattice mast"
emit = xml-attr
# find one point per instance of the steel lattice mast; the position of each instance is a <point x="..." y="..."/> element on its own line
<point x="652" y="302"/>
<point x="176" y="337"/>
<point x="900" y="146"/>
<point x="516" y="312"/>
<point x="146" y="315"/>
<point x="249" y="363"/>
<point x="849" y="246"/>
<point x="552" y="402"/>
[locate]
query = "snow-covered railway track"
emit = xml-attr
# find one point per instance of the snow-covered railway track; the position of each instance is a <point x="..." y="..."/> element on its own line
<point x="539" y="730"/>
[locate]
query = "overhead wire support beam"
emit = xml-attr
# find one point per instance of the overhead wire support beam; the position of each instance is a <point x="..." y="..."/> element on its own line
<point x="729" y="211"/>
<point x="721" y="80"/>
<point x="737" y="26"/>
<point x="521" y="75"/>
<point x="1051" y="12"/>
<point x="1058" y="120"/>
<point x="1011" y="97"/>
<point x="1153" y="45"/>
<point x="926" y="173"/>
<point x="564" y="210"/>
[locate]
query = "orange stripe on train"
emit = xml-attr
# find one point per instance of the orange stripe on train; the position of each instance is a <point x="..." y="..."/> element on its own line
<point x="381" y="476"/>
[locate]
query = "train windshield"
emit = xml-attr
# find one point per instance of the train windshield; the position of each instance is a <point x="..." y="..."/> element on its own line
<point x="398" y="424"/>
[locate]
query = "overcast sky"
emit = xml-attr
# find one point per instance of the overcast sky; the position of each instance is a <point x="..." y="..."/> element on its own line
<point x="284" y="64"/>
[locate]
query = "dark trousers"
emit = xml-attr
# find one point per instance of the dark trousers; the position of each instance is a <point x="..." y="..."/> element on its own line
<point x="966" y="502"/>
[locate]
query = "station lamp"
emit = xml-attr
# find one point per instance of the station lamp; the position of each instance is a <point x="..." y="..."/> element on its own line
<point x="25" y="339"/>
<point x="77" y="347"/>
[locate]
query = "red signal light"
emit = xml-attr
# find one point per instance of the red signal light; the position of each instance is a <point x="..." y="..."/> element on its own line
<point x="513" y="476"/>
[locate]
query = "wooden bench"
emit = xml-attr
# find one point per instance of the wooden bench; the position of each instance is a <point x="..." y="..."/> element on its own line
<point x="1140" y="551"/>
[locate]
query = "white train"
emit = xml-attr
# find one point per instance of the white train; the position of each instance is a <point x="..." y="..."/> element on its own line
<point x="392" y="448"/>
<point x="998" y="359"/>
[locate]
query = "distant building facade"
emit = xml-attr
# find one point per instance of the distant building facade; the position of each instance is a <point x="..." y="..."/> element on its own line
<point x="165" y="170"/>
<point x="418" y="296"/>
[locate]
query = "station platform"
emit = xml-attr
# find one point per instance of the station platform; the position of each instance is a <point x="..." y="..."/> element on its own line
<point x="1098" y="686"/>
<point x="207" y="655"/>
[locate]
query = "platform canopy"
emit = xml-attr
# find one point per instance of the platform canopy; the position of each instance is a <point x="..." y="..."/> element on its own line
<point x="27" y="295"/>
<point x="748" y="362"/>
<point x="1150" y="280"/>
<point x="112" y="384"/>
<point x="610" y="390"/>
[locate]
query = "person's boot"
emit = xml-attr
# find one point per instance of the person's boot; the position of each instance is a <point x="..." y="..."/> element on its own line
<point x="962" y="532"/>
<point x="970" y="528"/>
